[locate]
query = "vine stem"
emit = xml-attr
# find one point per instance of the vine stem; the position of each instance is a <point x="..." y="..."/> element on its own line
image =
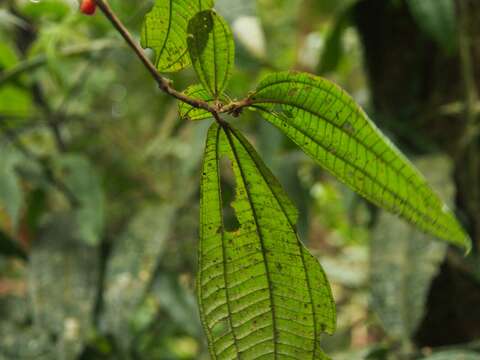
<point x="164" y="83"/>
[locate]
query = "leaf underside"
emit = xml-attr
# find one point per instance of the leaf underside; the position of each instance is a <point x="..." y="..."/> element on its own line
<point x="331" y="128"/>
<point x="165" y="31"/>
<point x="212" y="50"/>
<point x="262" y="295"/>
<point x="188" y="112"/>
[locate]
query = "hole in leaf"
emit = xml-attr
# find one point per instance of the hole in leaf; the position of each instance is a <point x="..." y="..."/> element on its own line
<point x="227" y="185"/>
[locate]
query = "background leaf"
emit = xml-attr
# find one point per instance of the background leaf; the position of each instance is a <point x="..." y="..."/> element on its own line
<point x="260" y="291"/>
<point x="437" y="18"/>
<point x="334" y="47"/>
<point x="165" y="31"/>
<point x="404" y="261"/>
<point x="131" y="268"/>
<point x="84" y="183"/>
<point x="212" y="50"/>
<point x="63" y="275"/>
<point x="331" y="128"/>
<point x="11" y="196"/>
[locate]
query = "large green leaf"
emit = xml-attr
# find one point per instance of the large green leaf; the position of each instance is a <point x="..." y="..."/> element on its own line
<point x="212" y="50"/>
<point x="262" y="295"/>
<point x="165" y="31"/>
<point x="331" y="128"/>
<point x="436" y="18"/>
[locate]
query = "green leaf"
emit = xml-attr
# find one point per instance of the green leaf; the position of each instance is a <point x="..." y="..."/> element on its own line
<point x="165" y="31"/>
<point x="83" y="181"/>
<point x="188" y="112"/>
<point x="261" y="293"/>
<point x="404" y="261"/>
<point x="436" y="18"/>
<point x="14" y="99"/>
<point x="334" y="49"/>
<point x="212" y="50"/>
<point x="331" y="128"/>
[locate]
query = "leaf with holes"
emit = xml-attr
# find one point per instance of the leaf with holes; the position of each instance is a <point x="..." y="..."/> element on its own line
<point x="331" y="128"/>
<point x="212" y="51"/>
<point x="165" y="31"/>
<point x="262" y="294"/>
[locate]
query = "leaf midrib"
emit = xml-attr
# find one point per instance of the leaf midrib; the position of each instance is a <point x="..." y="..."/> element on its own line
<point x="432" y="222"/>
<point x="227" y="295"/>
<point x="260" y="237"/>
<point x="300" y="246"/>
<point x="170" y="16"/>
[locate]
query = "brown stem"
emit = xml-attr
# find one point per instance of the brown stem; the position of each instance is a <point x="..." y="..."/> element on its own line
<point x="164" y="84"/>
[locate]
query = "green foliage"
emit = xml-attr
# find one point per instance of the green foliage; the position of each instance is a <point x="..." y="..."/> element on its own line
<point x="333" y="51"/>
<point x="63" y="308"/>
<point x="188" y="112"/>
<point x="212" y="50"/>
<point x="165" y="31"/>
<point x="81" y="179"/>
<point x="261" y="293"/>
<point x="437" y="18"/>
<point x="331" y="128"/>
<point x="132" y="266"/>
<point x="454" y="354"/>
<point x="10" y="192"/>
<point x="14" y="100"/>
<point x="404" y="261"/>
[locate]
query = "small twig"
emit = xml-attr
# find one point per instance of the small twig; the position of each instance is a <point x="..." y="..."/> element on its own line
<point x="164" y="84"/>
<point x="234" y="108"/>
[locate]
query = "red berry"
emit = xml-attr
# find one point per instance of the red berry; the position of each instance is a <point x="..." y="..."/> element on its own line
<point x="88" y="7"/>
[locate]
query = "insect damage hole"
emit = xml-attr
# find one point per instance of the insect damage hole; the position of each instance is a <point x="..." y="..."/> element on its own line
<point x="228" y="186"/>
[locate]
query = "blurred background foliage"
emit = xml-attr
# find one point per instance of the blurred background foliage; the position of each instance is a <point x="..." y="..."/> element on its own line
<point x="99" y="178"/>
